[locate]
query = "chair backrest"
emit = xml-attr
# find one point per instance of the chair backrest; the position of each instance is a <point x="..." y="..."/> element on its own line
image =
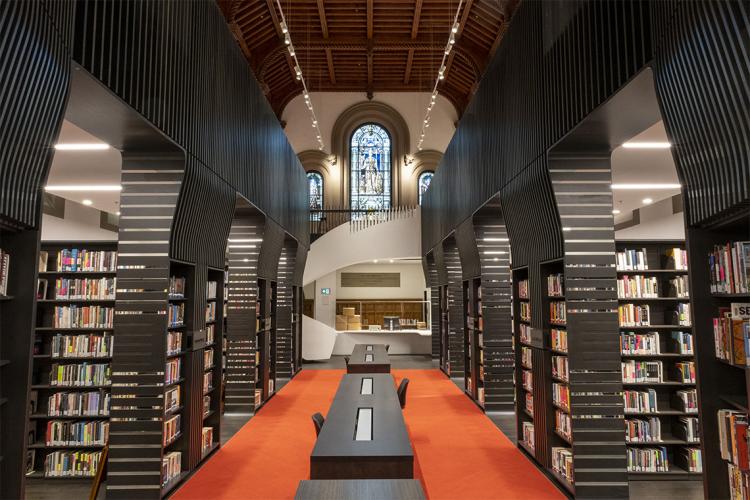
<point x="346" y="360"/>
<point x="387" y="347"/>
<point x="318" y="420"/>
<point x="402" y="391"/>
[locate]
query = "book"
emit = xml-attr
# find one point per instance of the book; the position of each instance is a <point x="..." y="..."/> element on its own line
<point x="43" y="258"/>
<point x="730" y="267"/>
<point x="632" y="260"/>
<point x="4" y="272"/>
<point x="41" y="289"/>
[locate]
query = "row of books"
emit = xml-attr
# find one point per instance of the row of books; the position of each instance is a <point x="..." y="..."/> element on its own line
<point x="555" y="285"/>
<point x="526" y="359"/>
<point x="71" y="464"/>
<point x="81" y="289"/>
<point x="557" y="312"/>
<point x="208" y="359"/>
<point x="633" y="343"/>
<point x="631" y="259"/>
<point x="564" y="424"/>
<point x="176" y="314"/>
<point x="643" y="430"/>
<point x="210" y="334"/>
<point x="172" y="371"/>
<point x="211" y="287"/>
<point x="176" y="287"/>
<point x="174" y="342"/>
<point x="739" y="483"/>
<point x="733" y="438"/>
<point x="647" y="401"/>
<point x="172" y="398"/>
<point x="636" y="287"/>
<point x="527" y="434"/>
<point x="634" y="315"/>
<point x="208" y="383"/>
<point x="680" y="287"/>
<point x="527" y="379"/>
<point x="732" y="334"/>
<point x="171" y="466"/>
<point x="560" y="367"/>
<point x="562" y="462"/>
<point x="171" y="429"/>
<point x="81" y="260"/>
<point x="81" y="346"/>
<point x="83" y="317"/>
<point x="67" y="433"/>
<point x="642" y="371"/>
<point x="4" y="271"/>
<point x="80" y="375"/>
<point x="648" y="459"/>
<point x="523" y="289"/>
<point x="211" y="311"/>
<point x="561" y="395"/>
<point x="206" y="405"/>
<point x="207" y="438"/>
<point x="559" y="339"/>
<point x="75" y="404"/>
<point x="730" y="267"/>
<point x="529" y="403"/>
<point x="525" y="311"/>
<point x="524" y="332"/>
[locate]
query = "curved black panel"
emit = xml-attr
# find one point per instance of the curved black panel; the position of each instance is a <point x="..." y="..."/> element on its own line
<point x="270" y="251"/>
<point x="467" y="250"/>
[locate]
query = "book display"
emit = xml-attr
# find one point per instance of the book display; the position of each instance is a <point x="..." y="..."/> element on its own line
<point x="658" y="360"/>
<point x="212" y="361"/>
<point x="445" y="316"/>
<point x="527" y="366"/>
<point x="455" y="308"/>
<point x="265" y="352"/>
<point x="473" y="341"/>
<point x="72" y="355"/>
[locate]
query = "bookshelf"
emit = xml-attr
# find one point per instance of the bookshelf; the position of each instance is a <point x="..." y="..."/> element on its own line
<point x="213" y="356"/>
<point x="722" y="380"/>
<point x="297" y="308"/>
<point x="455" y="308"/>
<point x="69" y="399"/>
<point x="473" y="341"/>
<point x="19" y="270"/>
<point x="445" y="360"/>
<point x="661" y="409"/>
<point x="265" y="352"/>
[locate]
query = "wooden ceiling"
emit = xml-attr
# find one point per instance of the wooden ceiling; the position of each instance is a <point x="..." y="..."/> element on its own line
<point x="368" y="45"/>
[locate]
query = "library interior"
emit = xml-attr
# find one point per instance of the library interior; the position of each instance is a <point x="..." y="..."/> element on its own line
<point x="333" y="249"/>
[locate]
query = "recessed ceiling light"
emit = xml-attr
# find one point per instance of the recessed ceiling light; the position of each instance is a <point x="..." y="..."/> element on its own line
<point x="615" y="211"/>
<point x="567" y="229"/>
<point x="646" y="186"/>
<point x="646" y="145"/>
<point x="391" y="261"/>
<point x="647" y="201"/>
<point x="117" y="213"/>
<point x="88" y="203"/>
<point x="82" y="146"/>
<point x="494" y="239"/>
<point x="84" y="187"/>
<point x="375" y="261"/>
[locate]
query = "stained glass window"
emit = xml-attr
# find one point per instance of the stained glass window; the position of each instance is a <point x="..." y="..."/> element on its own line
<point x="423" y="183"/>
<point x="370" y="168"/>
<point x="315" y="193"/>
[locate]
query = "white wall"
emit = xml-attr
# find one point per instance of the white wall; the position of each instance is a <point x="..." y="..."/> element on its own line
<point x="657" y="222"/>
<point x="81" y="223"/>
<point x="325" y="305"/>
<point x="412" y="282"/>
<point x="329" y="105"/>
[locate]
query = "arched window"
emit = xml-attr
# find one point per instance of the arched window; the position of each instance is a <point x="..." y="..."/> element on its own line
<point x="423" y="182"/>
<point x="315" y="193"/>
<point x="370" y="168"/>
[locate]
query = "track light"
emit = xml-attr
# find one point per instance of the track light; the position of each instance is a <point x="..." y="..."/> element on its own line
<point x="454" y="29"/>
<point x="284" y="28"/>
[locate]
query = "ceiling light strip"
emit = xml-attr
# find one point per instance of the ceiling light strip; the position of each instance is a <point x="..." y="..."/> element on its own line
<point x="441" y="74"/>
<point x="298" y="72"/>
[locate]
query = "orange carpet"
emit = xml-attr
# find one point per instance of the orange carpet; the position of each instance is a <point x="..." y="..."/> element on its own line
<point x="459" y="453"/>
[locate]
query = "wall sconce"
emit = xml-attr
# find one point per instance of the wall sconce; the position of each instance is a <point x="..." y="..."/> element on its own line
<point x="332" y="160"/>
<point x="408" y="160"/>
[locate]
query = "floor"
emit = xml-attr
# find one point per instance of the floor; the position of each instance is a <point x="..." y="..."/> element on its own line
<point x="505" y="422"/>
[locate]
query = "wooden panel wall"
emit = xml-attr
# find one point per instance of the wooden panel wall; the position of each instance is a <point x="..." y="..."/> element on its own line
<point x="167" y="60"/>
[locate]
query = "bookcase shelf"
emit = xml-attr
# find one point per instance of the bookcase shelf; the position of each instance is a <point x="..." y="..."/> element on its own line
<point x="473" y="340"/>
<point x="52" y="301"/>
<point x="663" y="277"/>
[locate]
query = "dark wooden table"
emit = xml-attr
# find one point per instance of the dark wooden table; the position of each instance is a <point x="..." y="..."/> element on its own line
<point x="369" y="358"/>
<point x="360" y="489"/>
<point x="387" y="455"/>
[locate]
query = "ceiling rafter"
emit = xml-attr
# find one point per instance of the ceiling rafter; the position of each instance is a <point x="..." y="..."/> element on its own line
<point x="367" y="46"/>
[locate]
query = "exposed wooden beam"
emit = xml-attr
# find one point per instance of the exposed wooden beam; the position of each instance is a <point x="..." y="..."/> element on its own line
<point x="322" y="16"/>
<point x="370" y="18"/>
<point x="331" y="72"/>
<point x="274" y="17"/>
<point x="464" y="16"/>
<point x="240" y="37"/>
<point x="409" y="61"/>
<point x="415" y="21"/>
<point x="369" y="74"/>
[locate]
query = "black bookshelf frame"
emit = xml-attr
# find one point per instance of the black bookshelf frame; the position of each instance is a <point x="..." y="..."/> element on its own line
<point x="42" y="360"/>
<point x="663" y="270"/>
<point x="445" y="362"/>
<point x="473" y="341"/>
<point x="265" y="353"/>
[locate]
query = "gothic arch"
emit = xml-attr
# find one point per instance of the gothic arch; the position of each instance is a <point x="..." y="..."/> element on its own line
<point x="318" y="161"/>
<point x="423" y="161"/>
<point x="393" y="122"/>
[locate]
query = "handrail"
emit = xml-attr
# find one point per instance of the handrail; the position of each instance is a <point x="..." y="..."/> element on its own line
<point x="327" y="219"/>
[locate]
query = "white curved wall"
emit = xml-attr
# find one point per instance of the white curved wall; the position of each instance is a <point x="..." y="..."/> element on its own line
<point x="318" y="339"/>
<point x="395" y="239"/>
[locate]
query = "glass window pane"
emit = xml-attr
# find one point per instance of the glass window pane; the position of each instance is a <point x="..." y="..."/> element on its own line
<point x="423" y="183"/>
<point x="370" y="168"/>
<point x="315" y="193"/>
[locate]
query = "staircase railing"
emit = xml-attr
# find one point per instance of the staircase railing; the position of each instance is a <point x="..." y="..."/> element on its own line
<point x="324" y="220"/>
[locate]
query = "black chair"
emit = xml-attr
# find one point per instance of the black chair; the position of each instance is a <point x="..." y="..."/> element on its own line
<point x="346" y="360"/>
<point x="387" y="347"/>
<point x="402" y="392"/>
<point x="318" y="421"/>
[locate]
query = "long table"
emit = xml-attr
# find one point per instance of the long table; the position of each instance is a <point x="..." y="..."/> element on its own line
<point x="369" y="358"/>
<point x="364" y="435"/>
